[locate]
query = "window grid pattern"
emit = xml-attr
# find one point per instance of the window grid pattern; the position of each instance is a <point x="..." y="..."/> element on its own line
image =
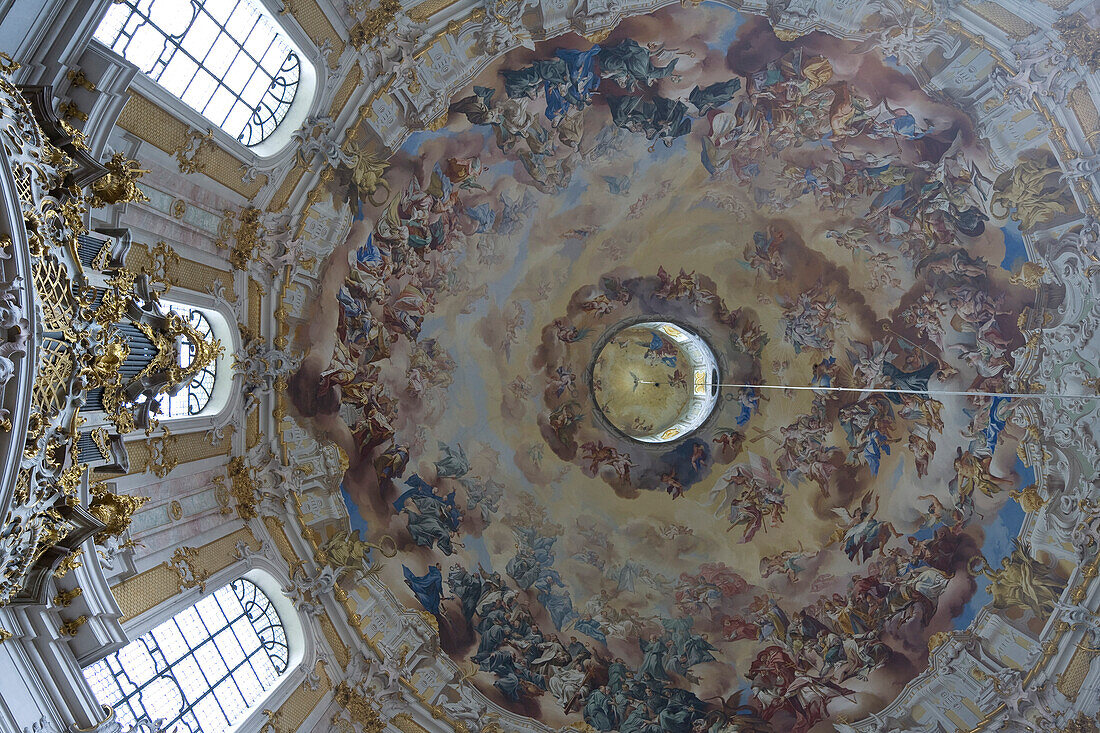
<point x="195" y="395"/>
<point x="226" y="59"/>
<point x="201" y="670"/>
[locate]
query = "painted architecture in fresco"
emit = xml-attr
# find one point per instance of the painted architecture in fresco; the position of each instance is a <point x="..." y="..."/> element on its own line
<point x="823" y="220"/>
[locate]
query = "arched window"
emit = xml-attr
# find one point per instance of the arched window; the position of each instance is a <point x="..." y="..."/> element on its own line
<point x="204" y="669"/>
<point x="192" y="397"/>
<point x="226" y="59"/>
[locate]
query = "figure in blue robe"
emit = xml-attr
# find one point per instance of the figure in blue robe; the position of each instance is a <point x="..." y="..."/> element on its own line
<point x="670" y="120"/>
<point x="821" y="376"/>
<point x="653" y="663"/>
<point x="503" y="665"/>
<point x="483" y="215"/>
<point x="453" y="464"/>
<point x="420" y="487"/>
<point x="915" y="380"/>
<point x="628" y="65"/>
<point x="583" y="79"/>
<point x="628" y="574"/>
<point x="630" y="113"/>
<point x="417" y="486"/>
<point x="873" y="449"/>
<point x="678" y="629"/>
<point x="617" y="185"/>
<point x="598" y="710"/>
<point x="560" y="608"/>
<point x="427" y="588"/>
<point x="477" y="106"/>
<point x="713" y="96"/>
<point x="436" y="519"/>
<point x="528" y="81"/>
<point x="698" y="650"/>
<point x="750" y="404"/>
<point x="654" y="347"/>
<point x="547" y="579"/>
<point x="997" y="419"/>
<point x="368" y="255"/>
<point x="523" y="569"/>
<point x="466" y="586"/>
<point x="590" y="627"/>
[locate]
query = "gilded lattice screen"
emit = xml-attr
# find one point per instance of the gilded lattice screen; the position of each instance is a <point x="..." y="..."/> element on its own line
<point x="1008" y="22"/>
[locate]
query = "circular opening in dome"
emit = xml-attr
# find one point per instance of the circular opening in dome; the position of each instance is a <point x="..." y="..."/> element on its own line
<point x="654" y="381"/>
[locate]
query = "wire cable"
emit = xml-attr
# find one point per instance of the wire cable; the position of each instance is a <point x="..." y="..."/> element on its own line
<point x="918" y="392"/>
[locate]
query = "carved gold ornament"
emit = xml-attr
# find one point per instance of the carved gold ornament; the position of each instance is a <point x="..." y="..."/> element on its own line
<point x="116" y="511"/>
<point x="1081" y="39"/>
<point x="183" y="562"/>
<point x="243" y="488"/>
<point x="1028" y="498"/>
<point x="71" y="562"/>
<point x="189" y="154"/>
<point x="247" y="243"/>
<point x="1030" y="275"/>
<point x="72" y="626"/>
<point x="163" y="454"/>
<point x="66" y="597"/>
<point x="1082" y="724"/>
<point x="119" y="186"/>
<point x="367" y="172"/>
<point x="221" y="495"/>
<point x="79" y="79"/>
<point x="374" y="23"/>
<point x="69" y="110"/>
<point x="357" y="711"/>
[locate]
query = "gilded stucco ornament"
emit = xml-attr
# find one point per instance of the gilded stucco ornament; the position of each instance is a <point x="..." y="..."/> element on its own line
<point x="66" y="597"/>
<point x="367" y="170"/>
<point x="116" y="511"/>
<point x="87" y="352"/>
<point x="1081" y="39"/>
<point x="347" y="553"/>
<point x="190" y="152"/>
<point x="358" y="711"/>
<point x="243" y="487"/>
<point x="184" y="564"/>
<point x="374" y="23"/>
<point x="120" y="185"/>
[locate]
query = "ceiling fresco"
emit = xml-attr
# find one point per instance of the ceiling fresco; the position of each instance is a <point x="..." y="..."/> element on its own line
<point x="822" y="222"/>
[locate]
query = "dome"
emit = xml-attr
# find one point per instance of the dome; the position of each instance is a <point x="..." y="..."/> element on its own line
<point x="655" y="381"/>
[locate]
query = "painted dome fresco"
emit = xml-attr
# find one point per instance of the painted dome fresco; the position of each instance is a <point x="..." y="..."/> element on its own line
<point x="853" y="250"/>
<point x="653" y="381"/>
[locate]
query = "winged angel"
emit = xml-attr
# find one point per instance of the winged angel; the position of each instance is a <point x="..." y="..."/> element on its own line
<point x="752" y="493"/>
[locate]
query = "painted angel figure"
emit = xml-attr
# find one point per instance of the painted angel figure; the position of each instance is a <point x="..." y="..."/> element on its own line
<point x="785" y="562"/>
<point x="861" y="534"/>
<point x="564" y="380"/>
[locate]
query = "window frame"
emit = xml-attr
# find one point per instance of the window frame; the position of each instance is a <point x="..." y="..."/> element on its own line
<point x="270" y="577"/>
<point x="277" y="147"/>
<point x="276" y="651"/>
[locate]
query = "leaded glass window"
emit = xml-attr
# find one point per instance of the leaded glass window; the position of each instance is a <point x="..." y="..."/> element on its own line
<point x="226" y="59"/>
<point x="193" y="396"/>
<point x="203" y="669"/>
